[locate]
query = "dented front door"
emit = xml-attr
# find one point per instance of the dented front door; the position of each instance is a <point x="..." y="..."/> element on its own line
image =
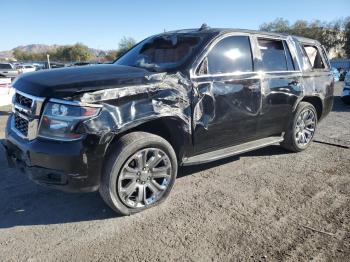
<point x="229" y="94"/>
<point x="227" y="111"/>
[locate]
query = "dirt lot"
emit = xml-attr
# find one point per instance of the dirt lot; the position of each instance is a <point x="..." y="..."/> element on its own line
<point x="266" y="205"/>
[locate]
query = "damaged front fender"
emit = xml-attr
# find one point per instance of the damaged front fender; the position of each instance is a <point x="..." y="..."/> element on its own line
<point x="129" y="106"/>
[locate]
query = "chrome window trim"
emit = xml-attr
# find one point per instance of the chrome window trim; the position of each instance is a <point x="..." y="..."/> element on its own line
<point x="325" y="62"/>
<point x="225" y="74"/>
<point x="325" y="56"/>
<point x="289" y="40"/>
<point x="211" y="46"/>
<point x="248" y="73"/>
<point x="292" y="43"/>
<point x="319" y="49"/>
<point x="286" y="52"/>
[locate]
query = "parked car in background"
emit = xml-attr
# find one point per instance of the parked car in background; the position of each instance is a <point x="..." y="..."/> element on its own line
<point x="8" y="70"/>
<point x="6" y="92"/>
<point x="4" y="84"/>
<point x="26" y="68"/>
<point x="179" y="98"/>
<point x="39" y="66"/>
<point x="335" y="74"/>
<point x="346" y="90"/>
<point x="53" y="65"/>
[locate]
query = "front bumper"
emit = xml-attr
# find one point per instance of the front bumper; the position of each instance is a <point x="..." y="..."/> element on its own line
<point x="67" y="166"/>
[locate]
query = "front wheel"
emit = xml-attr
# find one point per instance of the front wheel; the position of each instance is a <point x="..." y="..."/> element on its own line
<point x="302" y="128"/>
<point x="140" y="172"/>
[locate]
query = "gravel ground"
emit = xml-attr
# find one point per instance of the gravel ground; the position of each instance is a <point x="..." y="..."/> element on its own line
<point x="265" y="205"/>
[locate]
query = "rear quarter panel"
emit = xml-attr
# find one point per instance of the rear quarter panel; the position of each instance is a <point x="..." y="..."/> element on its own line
<point x="316" y="82"/>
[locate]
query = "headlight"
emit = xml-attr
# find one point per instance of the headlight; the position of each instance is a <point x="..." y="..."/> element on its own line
<point x="59" y="120"/>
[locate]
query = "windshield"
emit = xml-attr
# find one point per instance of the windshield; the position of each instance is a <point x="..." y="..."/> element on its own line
<point x="161" y="52"/>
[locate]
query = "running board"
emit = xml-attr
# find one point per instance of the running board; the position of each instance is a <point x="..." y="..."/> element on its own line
<point x="231" y="151"/>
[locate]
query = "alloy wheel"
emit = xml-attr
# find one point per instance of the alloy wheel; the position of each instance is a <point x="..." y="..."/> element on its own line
<point x="305" y="127"/>
<point x="144" y="178"/>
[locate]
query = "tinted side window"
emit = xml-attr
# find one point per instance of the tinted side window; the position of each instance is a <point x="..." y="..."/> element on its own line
<point x="273" y="55"/>
<point x="231" y="54"/>
<point x="314" y="56"/>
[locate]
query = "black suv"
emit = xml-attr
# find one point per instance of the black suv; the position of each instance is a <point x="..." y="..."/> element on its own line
<point x="179" y="98"/>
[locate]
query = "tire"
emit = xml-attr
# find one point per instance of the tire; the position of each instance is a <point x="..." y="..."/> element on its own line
<point x="292" y="140"/>
<point x="124" y="159"/>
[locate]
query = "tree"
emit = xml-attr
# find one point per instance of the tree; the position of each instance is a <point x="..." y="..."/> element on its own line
<point x="125" y="44"/>
<point x="24" y="56"/>
<point x="331" y="34"/>
<point x="347" y="39"/>
<point x="278" y="25"/>
<point x="80" y="52"/>
<point x="112" y="55"/>
<point x="18" y="54"/>
<point x="69" y="53"/>
<point x="77" y="52"/>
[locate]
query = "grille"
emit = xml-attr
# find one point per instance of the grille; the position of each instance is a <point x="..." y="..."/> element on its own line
<point x="23" y="101"/>
<point x="26" y="110"/>
<point x="21" y="125"/>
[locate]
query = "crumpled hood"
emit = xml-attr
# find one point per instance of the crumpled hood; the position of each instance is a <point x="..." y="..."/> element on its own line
<point x="68" y="82"/>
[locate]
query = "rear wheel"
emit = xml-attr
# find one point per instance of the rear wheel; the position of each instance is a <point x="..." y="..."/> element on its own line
<point x="302" y="128"/>
<point x="140" y="172"/>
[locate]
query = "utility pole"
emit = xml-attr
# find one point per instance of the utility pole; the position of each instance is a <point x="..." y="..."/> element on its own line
<point x="48" y="61"/>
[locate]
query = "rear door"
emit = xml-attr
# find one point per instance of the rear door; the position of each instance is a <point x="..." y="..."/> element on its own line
<point x="281" y="83"/>
<point x="229" y="95"/>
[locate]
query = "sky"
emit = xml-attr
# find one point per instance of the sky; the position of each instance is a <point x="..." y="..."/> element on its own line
<point x="102" y="23"/>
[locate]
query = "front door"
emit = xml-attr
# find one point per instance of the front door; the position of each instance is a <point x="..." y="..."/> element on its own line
<point x="228" y="93"/>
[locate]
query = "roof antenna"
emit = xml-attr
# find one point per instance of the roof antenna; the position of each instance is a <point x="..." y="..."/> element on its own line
<point x="203" y="27"/>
